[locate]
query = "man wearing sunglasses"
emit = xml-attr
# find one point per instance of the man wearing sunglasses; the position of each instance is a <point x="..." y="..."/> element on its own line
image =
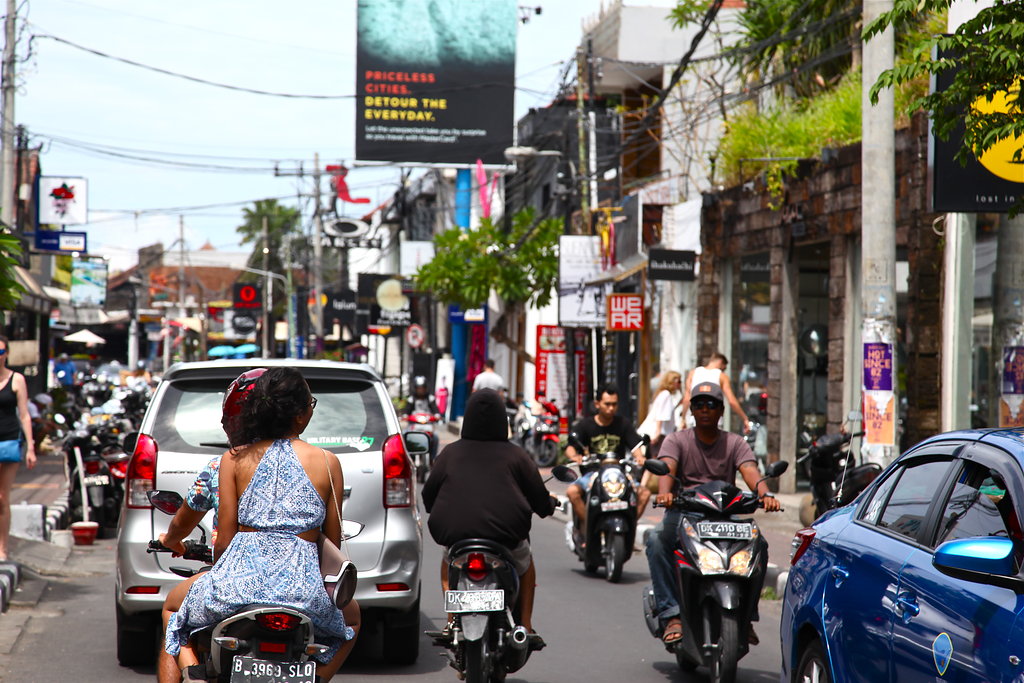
<point x="696" y="456"/>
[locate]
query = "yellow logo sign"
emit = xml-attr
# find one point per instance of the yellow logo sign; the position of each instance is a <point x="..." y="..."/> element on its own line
<point x="998" y="159"/>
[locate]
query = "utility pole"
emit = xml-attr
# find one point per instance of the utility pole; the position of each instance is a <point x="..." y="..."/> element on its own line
<point x="317" y="313"/>
<point x="268" y="295"/>
<point x="581" y="143"/>
<point x="7" y="130"/>
<point x="878" y="255"/>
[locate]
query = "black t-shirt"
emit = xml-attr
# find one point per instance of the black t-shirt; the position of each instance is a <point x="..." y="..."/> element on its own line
<point x="619" y="436"/>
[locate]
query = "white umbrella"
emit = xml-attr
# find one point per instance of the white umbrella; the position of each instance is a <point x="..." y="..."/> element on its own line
<point x="86" y="337"/>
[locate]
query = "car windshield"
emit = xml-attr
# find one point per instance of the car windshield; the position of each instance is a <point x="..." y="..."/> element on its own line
<point x="348" y="416"/>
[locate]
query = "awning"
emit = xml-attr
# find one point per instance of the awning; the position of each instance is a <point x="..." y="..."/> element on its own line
<point x="33" y="298"/>
<point x="631" y="266"/>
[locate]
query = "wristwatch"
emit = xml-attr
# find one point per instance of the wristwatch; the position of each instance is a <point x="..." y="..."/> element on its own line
<point x="768" y="494"/>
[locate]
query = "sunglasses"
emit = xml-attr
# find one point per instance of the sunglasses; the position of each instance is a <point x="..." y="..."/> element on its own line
<point x="312" y="403"/>
<point x="3" y="352"/>
<point x="706" y="404"/>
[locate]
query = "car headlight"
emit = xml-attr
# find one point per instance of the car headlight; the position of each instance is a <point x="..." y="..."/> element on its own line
<point x="740" y="563"/>
<point x="614" y="483"/>
<point x="710" y="561"/>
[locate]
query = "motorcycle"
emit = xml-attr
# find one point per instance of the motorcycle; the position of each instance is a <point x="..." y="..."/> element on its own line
<point x="484" y="640"/>
<point x="95" y="461"/>
<point x="425" y="423"/>
<point x="610" y="531"/>
<point x="720" y="566"/>
<point x="836" y="478"/>
<point x="258" y="643"/>
<point x="537" y="431"/>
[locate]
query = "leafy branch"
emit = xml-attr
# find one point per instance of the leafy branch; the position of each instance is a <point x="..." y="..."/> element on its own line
<point x="10" y="291"/>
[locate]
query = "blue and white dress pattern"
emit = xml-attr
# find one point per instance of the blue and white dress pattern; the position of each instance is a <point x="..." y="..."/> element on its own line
<point x="270" y="565"/>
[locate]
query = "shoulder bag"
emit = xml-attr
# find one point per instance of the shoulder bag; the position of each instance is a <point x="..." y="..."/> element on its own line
<point x="338" y="571"/>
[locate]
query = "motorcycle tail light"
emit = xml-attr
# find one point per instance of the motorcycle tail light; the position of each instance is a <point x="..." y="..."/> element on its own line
<point x="801" y="542"/>
<point x="476" y="567"/>
<point x="141" y="478"/>
<point x="398" y="489"/>
<point x="119" y="469"/>
<point x="92" y="466"/>
<point x="278" y="621"/>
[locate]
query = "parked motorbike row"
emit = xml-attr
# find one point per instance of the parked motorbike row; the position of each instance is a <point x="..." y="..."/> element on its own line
<point x="90" y="429"/>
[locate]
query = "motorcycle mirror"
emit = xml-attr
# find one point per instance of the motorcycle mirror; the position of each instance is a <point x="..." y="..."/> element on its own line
<point x="855" y="416"/>
<point x="575" y="442"/>
<point x="656" y="466"/>
<point x="776" y="469"/>
<point x="646" y="439"/>
<point x="416" y="443"/>
<point x="564" y="473"/>
<point x="129" y="442"/>
<point x="167" y="502"/>
<point x="59" y="419"/>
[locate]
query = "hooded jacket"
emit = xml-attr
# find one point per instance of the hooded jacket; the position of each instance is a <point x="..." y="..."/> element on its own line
<point x="483" y="486"/>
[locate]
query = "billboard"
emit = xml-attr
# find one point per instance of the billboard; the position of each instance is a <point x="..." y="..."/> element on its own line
<point x="89" y="281"/>
<point x="992" y="183"/>
<point x="435" y="80"/>
<point x="62" y="201"/>
<point x="581" y="304"/>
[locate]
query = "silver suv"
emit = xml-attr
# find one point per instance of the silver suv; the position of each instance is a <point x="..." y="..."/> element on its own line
<point x="354" y="419"/>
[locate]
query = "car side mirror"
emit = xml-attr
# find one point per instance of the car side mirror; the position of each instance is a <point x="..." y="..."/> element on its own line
<point x="987" y="560"/>
<point x="416" y="443"/>
<point x="130" y="440"/>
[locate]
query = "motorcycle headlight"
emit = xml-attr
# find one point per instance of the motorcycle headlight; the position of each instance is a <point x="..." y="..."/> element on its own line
<point x="740" y="563"/>
<point x="690" y="531"/>
<point x="614" y="483"/>
<point x="710" y="561"/>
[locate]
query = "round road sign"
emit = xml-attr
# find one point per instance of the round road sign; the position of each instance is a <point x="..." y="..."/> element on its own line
<point x="414" y="336"/>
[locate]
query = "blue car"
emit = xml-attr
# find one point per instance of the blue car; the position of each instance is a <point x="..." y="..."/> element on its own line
<point x="920" y="578"/>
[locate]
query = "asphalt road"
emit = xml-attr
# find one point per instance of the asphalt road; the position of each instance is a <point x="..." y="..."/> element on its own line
<point x="594" y="630"/>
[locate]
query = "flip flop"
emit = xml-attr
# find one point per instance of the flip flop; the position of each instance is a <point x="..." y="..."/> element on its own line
<point x="673" y="632"/>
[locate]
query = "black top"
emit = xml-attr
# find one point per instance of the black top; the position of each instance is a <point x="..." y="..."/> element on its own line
<point x="619" y="436"/>
<point x="10" y="425"/>
<point x="484" y="486"/>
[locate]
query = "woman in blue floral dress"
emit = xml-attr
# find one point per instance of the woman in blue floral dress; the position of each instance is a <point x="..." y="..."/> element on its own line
<point x="275" y="497"/>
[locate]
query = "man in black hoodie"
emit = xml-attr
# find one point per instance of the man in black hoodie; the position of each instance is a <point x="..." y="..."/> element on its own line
<point x="483" y="486"/>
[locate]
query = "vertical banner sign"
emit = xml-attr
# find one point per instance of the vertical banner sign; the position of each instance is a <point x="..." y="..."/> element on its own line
<point x="89" y="282"/>
<point x="879" y="400"/>
<point x="579" y="262"/>
<point x="552" y="380"/>
<point x="1012" y="389"/>
<point x="435" y="80"/>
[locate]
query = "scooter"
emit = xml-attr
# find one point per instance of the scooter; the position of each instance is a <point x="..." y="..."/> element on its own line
<point x="485" y="642"/>
<point x="836" y="478"/>
<point x="536" y="429"/>
<point x="257" y="643"/>
<point x="610" y="531"/>
<point x="425" y="423"/>
<point x="720" y="566"/>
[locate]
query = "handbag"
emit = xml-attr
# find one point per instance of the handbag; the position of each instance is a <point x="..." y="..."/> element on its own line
<point x="339" y="573"/>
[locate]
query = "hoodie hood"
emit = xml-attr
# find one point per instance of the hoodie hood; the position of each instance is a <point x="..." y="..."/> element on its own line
<point x="485" y="418"/>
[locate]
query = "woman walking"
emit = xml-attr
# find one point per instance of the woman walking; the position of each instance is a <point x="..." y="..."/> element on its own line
<point x="15" y="423"/>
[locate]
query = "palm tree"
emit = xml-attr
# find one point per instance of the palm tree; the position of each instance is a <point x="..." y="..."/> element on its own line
<point x="282" y="223"/>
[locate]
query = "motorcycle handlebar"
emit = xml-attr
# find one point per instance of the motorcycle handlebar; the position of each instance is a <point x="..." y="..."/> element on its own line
<point x="194" y="550"/>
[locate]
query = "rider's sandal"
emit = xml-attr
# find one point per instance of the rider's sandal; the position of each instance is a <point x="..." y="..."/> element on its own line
<point x="673" y="632"/>
<point x="535" y="642"/>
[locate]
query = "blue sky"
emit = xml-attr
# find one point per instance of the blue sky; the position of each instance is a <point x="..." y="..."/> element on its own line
<point x="69" y="97"/>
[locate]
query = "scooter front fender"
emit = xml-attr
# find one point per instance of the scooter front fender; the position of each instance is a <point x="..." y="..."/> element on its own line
<point x="613" y="524"/>
<point x="728" y="594"/>
<point x="474" y="626"/>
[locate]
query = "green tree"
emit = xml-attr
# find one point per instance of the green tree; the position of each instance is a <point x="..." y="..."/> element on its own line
<point x="10" y="290"/>
<point x="520" y="265"/>
<point x="986" y="56"/>
<point x="282" y="223"/>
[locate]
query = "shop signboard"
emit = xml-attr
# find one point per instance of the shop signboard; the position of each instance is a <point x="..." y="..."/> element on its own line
<point x="552" y="369"/>
<point x="435" y="81"/>
<point x="670" y="264"/>
<point x="61" y="241"/>
<point x="62" y="201"/>
<point x="625" y="312"/>
<point x="385" y="300"/>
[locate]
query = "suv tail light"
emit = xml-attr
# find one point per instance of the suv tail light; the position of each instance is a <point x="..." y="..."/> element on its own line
<point x="476" y="567"/>
<point x="397" y="474"/>
<point x="142" y="472"/>
<point x="801" y="542"/>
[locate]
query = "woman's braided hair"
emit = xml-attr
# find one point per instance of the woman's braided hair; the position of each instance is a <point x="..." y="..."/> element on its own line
<point x="279" y="396"/>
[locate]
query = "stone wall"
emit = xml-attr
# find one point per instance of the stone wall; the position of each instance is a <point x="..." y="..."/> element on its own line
<point x="822" y="204"/>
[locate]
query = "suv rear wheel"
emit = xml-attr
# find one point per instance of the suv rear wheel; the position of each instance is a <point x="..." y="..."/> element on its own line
<point x="401" y="636"/>
<point x="136" y="638"/>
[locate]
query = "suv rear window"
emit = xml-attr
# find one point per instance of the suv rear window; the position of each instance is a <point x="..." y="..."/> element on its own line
<point x="348" y="416"/>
